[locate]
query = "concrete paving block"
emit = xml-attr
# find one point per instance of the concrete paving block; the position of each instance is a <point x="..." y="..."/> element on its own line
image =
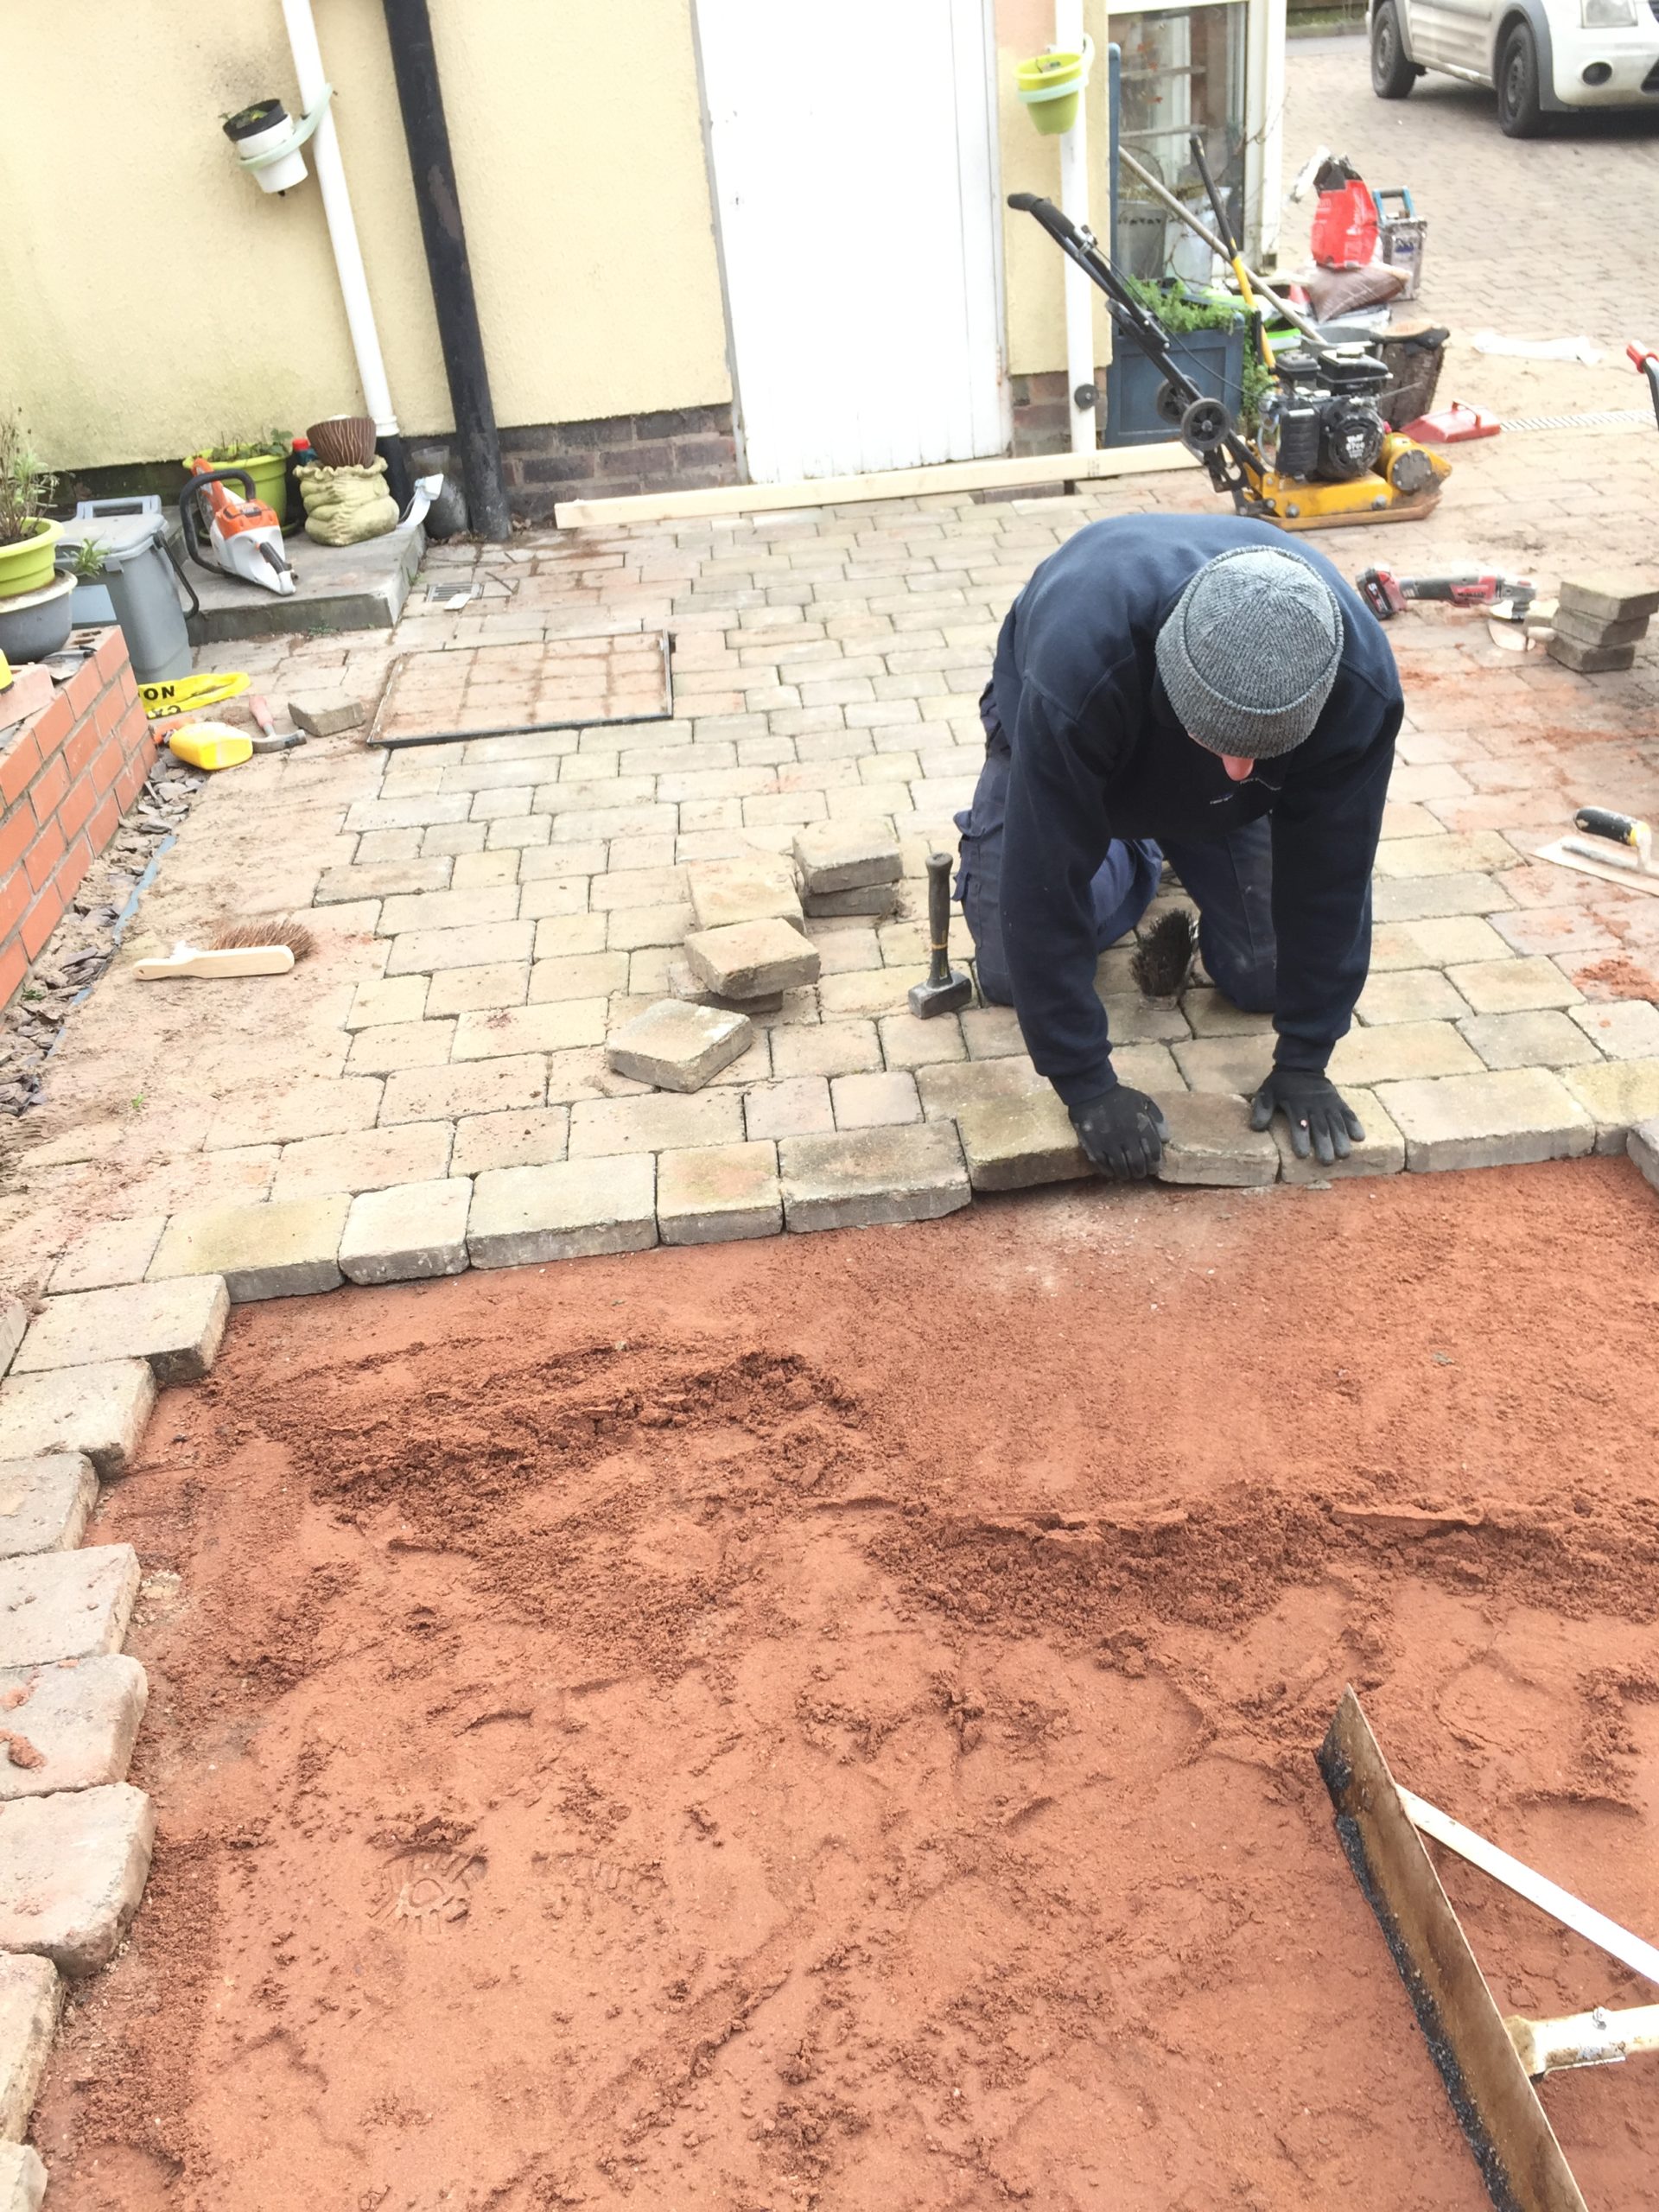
<point x="991" y="1032"/>
<point x="325" y="714"/>
<point x="1475" y="852"/>
<point x="533" y="1138"/>
<point x="716" y="1194"/>
<point x="1596" y="629"/>
<point x="1437" y="941"/>
<point x="1210" y="1014"/>
<point x="284" y="1249"/>
<point x="69" y="1727"/>
<point x="908" y="1043"/>
<point x="22" y="2178"/>
<point x="681" y="983"/>
<point x="383" y="1051"/>
<point x="116" y="1251"/>
<point x="1381" y="1151"/>
<point x="31" y="1998"/>
<point x="177" y="1326"/>
<point x="797" y="1107"/>
<point x="1018" y="1139"/>
<point x="507" y="1083"/>
<point x="45" y="1502"/>
<point x="72" y="1869"/>
<point x="524" y="1216"/>
<point x="1408" y="994"/>
<point x="678" y="1046"/>
<point x="407" y="1233"/>
<point x="829" y="1048"/>
<point x="1514" y="986"/>
<point x="369" y="1159"/>
<point x="754" y="887"/>
<point x="98" y="1411"/>
<point x="871" y="901"/>
<point x="1547" y="1040"/>
<point x="1401" y="1052"/>
<point x="14" y="1326"/>
<point x="1226" y="1067"/>
<point x="1624" y="1029"/>
<point x="1619" y="1094"/>
<point x="948" y="1089"/>
<point x="1497" y="1119"/>
<point x="749" y="959"/>
<point x="882" y="1100"/>
<point x="1131" y="1019"/>
<point x="1642" y="1144"/>
<point x="655" y="1121"/>
<point x="858" y="1179"/>
<point x="1210" y="1141"/>
<point x="1610" y="595"/>
<point x="59" y="1606"/>
<point x="835" y="857"/>
<point x="327" y="1107"/>
<point x="1588" y="660"/>
<point x="876" y="991"/>
<point x="479" y="945"/>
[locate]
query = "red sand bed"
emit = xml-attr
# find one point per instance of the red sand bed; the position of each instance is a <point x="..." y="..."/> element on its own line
<point x="831" y="1722"/>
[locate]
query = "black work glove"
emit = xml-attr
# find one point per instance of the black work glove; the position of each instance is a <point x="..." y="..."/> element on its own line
<point x="1123" y="1133"/>
<point x="1320" y="1119"/>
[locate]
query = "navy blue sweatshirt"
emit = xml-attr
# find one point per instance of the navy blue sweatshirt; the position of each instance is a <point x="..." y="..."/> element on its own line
<point x="1097" y="753"/>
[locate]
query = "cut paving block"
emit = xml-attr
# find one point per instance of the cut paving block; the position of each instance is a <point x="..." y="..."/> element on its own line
<point x="858" y="1179"/>
<point x="325" y="714"/>
<point x="1643" y="1146"/>
<point x="287" y="1249"/>
<point x="1588" y="660"/>
<point x="1619" y="1094"/>
<point x="1019" y="1138"/>
<point x="836" y="856"/>
<point x="72" y="1869"/>
<point x="1381" y="1151"/>
<point x="754" y="887"/>
<point x="1210" y="1141"/>
<point x="66" y="1604"/>
<point x="870" y="899"/>
<point x="408" y="1233"/>
<point x="69" y="1727"/>
<point x="31" y="1998"/>
<point x="116" y="1251"/>
<point x="1610" y="596"/>
<point x="177" y="1326"/>
<point x="22" y="2178"/>
<point x="678" y="1046"/>
<point x="682" y="983"/>
<point x="718" y="1193"/>
<point x="44" y="1503"/>
<point x="1497" y="1119"/>
<point x="98" y="1411"/>
<point x="521" y="1216"/>
<point x="752" y="959"/>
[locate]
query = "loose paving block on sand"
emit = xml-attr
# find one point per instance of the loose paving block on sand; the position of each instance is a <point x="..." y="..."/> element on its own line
<point x="69" y="1727"/>
<point x="1210" y="1141"/>
<point x="177" y="1326"/>
<point x="98" y="1411"/>
<point x="678" y="1046"/>
<point x="73" y="1868"/>
<point x="44" y="1503"/>
<point x="1018" y="1139"/>
<point x="285" y="1249"/>
<point x="66" y="1604"/>
<point x="31" y="1998"/>
<point x="407" y="1233"/>
<point x="719" y="1193"/>
<point x="869" y="1176"/>
<point x="521" y="1216"/>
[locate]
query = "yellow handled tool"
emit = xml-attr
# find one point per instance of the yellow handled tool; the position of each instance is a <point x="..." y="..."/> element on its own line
<point x="1234" y="250"/>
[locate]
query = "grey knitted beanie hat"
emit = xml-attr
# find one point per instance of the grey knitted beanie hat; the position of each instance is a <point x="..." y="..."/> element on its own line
<point x="1249" y="652"/>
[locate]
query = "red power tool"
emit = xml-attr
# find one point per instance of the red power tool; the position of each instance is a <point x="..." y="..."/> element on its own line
<point x="1647" y="363"/>
<point x="1387" y="595"/>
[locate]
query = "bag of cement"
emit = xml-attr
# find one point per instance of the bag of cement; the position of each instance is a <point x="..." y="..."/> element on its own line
<point x="345" y="505"/>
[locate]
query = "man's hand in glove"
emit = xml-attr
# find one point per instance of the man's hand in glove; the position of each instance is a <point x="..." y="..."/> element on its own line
<point x="1123" y="1133"/>
<point x="1320" y="1119"/>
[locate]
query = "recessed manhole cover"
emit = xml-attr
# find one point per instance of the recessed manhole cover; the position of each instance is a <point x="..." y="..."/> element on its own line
<point x="442" y="695"/>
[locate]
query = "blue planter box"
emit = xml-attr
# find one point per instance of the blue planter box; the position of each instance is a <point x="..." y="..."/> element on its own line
<point x="1214" y="358"/>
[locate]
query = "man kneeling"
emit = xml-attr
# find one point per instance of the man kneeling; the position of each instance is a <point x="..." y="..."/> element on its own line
<point x="1192" y="688"/>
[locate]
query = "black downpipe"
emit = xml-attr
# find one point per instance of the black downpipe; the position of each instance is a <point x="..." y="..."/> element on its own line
<point x="420" y="97"/>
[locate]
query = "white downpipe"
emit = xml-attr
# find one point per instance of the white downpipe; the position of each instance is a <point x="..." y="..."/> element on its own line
<point x="342" y="230"/>
<point x="1264" y="114"/>
<point x="1074" y="200"/>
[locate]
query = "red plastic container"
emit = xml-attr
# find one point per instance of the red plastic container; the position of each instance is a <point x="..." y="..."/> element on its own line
<point x="1344" y="227"/>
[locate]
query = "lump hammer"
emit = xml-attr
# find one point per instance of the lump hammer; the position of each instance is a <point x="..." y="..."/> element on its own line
<point x="945" y="992"/>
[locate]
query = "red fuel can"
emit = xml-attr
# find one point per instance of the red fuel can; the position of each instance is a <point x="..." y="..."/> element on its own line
<point x="1344" y="227"/>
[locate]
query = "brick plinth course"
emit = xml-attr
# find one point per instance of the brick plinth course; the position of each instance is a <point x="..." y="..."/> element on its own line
<point x="99" y="1411"/>
<point x="749" y="959"/>
<point x="524" y="1216"/>
<point x="69" y="1727"/>
<point x="407" y="1233"/>
<point x="45" y="1502"/>
<point x="31" y="1998"/>
<point x="286" y="1250"/>
<point x="871" y="1176"/>
<point x="1211" y="1141"/>
<point x="177" y="1326"/>
<point x="1499" y="1119"/>
<point x="719" y="1193"/>
<point x="66" y="1604"/>
<point x="678" y="1046"/>
<point x="72" y="1869"/>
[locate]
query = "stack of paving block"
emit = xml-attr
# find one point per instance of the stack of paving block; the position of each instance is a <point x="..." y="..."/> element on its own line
<point x="849" y="868"/>
<point x="1598" y="620"/>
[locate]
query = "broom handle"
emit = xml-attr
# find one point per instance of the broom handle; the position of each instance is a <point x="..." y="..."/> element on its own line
<point x="1265" y="291"/>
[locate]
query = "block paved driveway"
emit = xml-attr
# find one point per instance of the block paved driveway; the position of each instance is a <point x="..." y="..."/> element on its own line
<point x="486" y="912"/>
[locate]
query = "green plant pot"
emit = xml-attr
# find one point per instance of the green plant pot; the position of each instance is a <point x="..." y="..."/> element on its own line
<point x="269" y="474"/>
<point x="1049" y="86"/>
<point x="27" y="566"/>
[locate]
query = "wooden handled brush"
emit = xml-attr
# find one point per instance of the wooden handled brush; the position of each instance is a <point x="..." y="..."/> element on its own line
<point x="239" y="948"/>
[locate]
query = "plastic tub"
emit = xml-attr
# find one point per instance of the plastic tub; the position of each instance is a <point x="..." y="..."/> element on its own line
<point x="36" y="623"/>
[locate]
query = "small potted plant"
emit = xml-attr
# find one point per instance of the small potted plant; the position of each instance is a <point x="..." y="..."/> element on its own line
<point x="28" y="538"/>
<point x="265" y="459"/>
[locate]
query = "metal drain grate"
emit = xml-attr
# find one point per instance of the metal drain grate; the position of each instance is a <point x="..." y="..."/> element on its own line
<point x="1607" y="418"/>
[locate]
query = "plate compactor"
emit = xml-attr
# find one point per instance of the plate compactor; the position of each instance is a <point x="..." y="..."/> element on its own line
<point x="1323" y="455"/>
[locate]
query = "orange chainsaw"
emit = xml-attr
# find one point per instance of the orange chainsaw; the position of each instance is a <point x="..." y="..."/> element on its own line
<point x="242" y="533"/>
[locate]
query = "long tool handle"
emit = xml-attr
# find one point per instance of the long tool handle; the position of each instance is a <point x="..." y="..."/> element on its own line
<point x="938" y="916"/>
<point x="1202" y="230"/>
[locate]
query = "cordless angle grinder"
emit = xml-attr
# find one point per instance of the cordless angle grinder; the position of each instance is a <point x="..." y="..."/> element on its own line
<point x="1507" y="598"/>
<point x="1323" y="455"/>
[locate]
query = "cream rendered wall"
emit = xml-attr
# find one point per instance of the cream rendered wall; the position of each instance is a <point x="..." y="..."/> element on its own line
<point x="151" y="296"/>
<point x="1032" y="164"/>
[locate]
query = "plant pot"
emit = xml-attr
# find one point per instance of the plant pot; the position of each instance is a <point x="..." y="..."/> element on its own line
<point x="269" y="474"/>
<point x="1050" y="86"/>
<point x="34" y="624"/>
<point x="27" y="566"/>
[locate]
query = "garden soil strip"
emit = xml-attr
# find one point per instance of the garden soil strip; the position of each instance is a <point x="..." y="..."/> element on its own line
<point x="831" y="1722"/>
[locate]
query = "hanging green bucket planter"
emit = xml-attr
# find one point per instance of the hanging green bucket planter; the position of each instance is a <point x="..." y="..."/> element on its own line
<point x="1050" y="86"/>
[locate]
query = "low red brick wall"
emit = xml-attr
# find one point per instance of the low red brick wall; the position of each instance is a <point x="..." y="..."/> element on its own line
<point x="67" y="777"/>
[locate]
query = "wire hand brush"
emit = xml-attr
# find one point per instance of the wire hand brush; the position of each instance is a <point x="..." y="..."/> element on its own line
<point x="1165" y="957"/>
